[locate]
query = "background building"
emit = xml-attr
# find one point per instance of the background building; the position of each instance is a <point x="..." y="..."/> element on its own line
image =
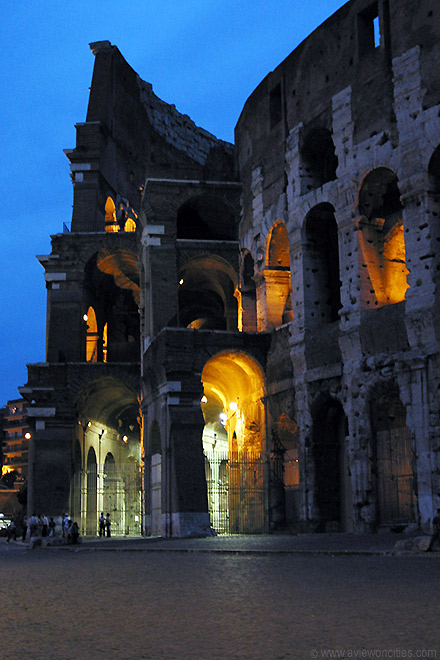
<point x="250" y="331"/>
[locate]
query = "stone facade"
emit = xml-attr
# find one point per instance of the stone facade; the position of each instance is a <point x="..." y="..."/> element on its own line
<point x="259" y="321"/>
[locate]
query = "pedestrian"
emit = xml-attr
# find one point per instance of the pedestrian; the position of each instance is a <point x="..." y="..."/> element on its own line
<point x="435" y="532"/>
<point x="33" y="525"/>
<point x="25" y="528"/>
<point x="11" y="532"/>
<point x="51" y="526"/>
<point x="102" y="524"/>
<point x="44" y="524"/>
<point x="74" y="532"/>
<point x="65" y="523"/>
<point x="107" y="524"/>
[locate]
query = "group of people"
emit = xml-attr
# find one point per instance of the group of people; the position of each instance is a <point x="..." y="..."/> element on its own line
<point x="70" y="530"/>
<point x="39" y="526"/>
<point x="104" y="525"/>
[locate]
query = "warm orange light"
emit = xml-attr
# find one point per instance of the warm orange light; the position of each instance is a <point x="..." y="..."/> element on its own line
<point x="6" y="470"/>
<point x="28" y="435"/>
<point x="130" y="225"/>
<point x="233" y="406"/>
<point x="181" y="281"/>
<point x="124" y="438"/>
<point x="204" y="399"/>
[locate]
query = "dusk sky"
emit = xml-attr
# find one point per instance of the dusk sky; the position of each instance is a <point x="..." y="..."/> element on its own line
<point x="205" y="56"/>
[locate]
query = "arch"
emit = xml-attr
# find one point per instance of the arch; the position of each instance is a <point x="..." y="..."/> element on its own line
<point x="92" y="336"/>
<point x="206" y="217"/>
<point x="274" y="292"/>
<point x="392" y="456"/>
<point x="111" y="289"/>
<point x="383" y="271"/>
<point x="92" y="493"/>
<point x="130" y="225"/>
<point x="111" y="494"/>
<point x="319" y="159"/>
<point x="234" y="435"/>
<point x="206" y="294"/>
<point x="333" y="495"/>
<point x="322" y="298"/>
<point x="111" y="223"/>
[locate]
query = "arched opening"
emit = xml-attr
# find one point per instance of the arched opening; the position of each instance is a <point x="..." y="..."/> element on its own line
<point x="322" y="298"/>
<point x="155" y="480"/>
<point x="333" y="495"/>
<point x="92" y="336"/>
<point x="111" y="223"/>
<point x="92" y="494"/>
<point x="111" y="298"/>
<point x="383" y="271"/>
<point x="109" y="435"/>
<point x="233" y="442"/>
<point x="110" y="496"/>
<point x="319" y="160"/>
<point x="393" y="458"/>
<point x="274" y="293"/>
<point x="206" y="218"/>
<point x="206" y="294"/>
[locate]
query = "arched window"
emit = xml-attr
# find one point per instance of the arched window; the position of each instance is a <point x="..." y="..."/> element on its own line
<point x="274" y="293"/>
<point x="130" y="225"/>
<point x="111" y="224"/>
<point x="322" y="299"/>
<point x="381" y="238"/>
<point x="92" y="336"/>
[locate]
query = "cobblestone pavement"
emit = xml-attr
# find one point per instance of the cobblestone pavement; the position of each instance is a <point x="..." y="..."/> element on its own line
<point x="66" y="605"/>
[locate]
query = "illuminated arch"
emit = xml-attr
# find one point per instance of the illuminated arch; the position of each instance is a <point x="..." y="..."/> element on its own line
<point x="234" y="440"/>
<point x="207" y="285"/>
<point x="274" y="293"/>
<point x="92" y="336"/>
<point x="130" y="225"/>
<point x="111" y="224"/>
<point x="382" y="253"/>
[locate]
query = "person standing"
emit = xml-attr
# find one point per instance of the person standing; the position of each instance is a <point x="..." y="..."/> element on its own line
<point x="11" y="532"/>
<point x="102" y="524"/>
<point x="107" y="524"/>
<point x="51" y="527"/>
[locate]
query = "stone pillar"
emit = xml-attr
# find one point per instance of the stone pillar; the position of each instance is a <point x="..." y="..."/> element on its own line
<point x="184" y="494"/>
<point x="415" y="396"/>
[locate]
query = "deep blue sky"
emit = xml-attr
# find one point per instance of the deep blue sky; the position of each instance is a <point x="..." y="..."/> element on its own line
<point x="205" y="56"/>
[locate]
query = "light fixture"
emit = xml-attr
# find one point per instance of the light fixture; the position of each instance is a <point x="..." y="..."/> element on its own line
<point x="181" y="281"/>
<point x="223" y="418"/>
<point x="28" y="435"/>
<point x="233" y="406"/>
<point x="89" y="424"/>
<point x="124" y="438"/>
<point x="85" y="317"/>
<point x="204" y="399"/>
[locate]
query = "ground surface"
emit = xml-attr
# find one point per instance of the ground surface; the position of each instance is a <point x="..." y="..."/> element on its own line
<point x="130" y="605"/>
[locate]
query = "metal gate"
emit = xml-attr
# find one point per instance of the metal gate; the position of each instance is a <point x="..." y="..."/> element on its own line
<point x="235" y="487"/>
<point x="117" y="491"/>
<point x="395" y="476"/>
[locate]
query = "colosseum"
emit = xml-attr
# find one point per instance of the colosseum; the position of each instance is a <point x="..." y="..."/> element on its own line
<point x="243" y="337"/>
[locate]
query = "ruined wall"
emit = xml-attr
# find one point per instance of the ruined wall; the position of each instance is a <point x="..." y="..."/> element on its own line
<point x="339" y="138"/>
